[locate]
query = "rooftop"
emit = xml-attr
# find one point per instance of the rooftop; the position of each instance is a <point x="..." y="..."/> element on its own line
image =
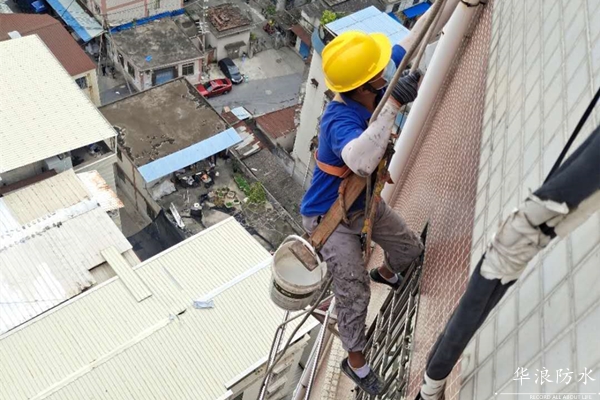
<point x="144" y="322"/>
<point x="316" y="8"/>
<point x="368" y="20"/>
<point x="227" y="17"/>
<point x="279" y="123"/>
<point x="51" y="236"/>
<point x="53" y="34"/>
<point x="163" y="120"/>
<point x="45" y="116"/>
<point x="156" y="44"/>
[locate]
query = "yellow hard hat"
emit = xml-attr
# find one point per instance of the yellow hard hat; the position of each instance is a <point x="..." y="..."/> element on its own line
<point x="354" y="58"/>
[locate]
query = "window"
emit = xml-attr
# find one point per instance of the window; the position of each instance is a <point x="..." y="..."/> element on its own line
<point x="121" y="60"/>
<point x="156" y="4"/>
<point x="130" y="70"/>
<point x="188" y="69"/>
<point x="120" y="174"/>
<point x="239" y="396"/>
<point x="82" y="82"/>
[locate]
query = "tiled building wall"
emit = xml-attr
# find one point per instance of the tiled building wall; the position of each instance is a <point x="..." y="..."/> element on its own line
<point x="544" y="68"/>
<point x="440" y="188"/>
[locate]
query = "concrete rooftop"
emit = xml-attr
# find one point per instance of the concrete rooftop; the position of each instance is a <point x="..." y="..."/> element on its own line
<point x="226" y="18"/>
<point x="162" y="120"/>
<point x="162" y="40"/>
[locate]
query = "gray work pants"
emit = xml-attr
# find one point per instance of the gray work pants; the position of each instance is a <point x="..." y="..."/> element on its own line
<point x="343" y="254"/>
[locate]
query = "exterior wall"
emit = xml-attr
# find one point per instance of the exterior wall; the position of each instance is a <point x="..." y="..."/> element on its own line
<point x="21" y="173"/>
<point x="250" y="385"/>
<point x="142" y="80"/>
<point x="106" y="168"/>
<point x="118" y="12"/>
<point x="543" y="71"/>
<point x="309" y="23"/>
<point x="131" y="182"/>
<point x="312" y="108"/>
<point x="92" y="90"/>
<point x="220" y="43"/>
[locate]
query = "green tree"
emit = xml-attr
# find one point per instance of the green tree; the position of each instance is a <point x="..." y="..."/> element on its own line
<point x="328" y="16"/>
<point x="257" y="194"/>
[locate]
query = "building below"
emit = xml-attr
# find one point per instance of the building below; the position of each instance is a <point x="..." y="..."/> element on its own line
<point x="229" y="31"/>
<point x="62" y="129"/>
<point x="167" y="135"/>
<point x="155" y="53"/>
<point x="52" y="234"/>
<point x="66" y="50"/>
<point x="195" y="321"/>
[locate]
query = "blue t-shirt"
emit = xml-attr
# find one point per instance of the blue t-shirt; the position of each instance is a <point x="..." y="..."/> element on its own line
<point x="340" y="124"/>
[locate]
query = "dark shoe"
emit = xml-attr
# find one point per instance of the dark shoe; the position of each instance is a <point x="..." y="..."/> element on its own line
<point x="376" y="277"/>
<point x="370" y="384"/>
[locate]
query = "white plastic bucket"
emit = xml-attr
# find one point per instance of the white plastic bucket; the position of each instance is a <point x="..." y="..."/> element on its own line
<point x="293" y="286"/>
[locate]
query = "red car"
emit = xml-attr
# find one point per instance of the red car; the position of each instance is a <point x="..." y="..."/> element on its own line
<point x="214" y="87"/>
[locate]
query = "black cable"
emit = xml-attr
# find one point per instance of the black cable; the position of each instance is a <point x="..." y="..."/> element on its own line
<point x="580" y="124"/>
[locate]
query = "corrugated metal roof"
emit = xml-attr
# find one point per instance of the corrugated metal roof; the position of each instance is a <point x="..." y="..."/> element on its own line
<point x="45" y="197"/>
<point x="100" y="190"/>
<point x="54" y="35"/>
<point x="45" y="116"/>
<point x="58" y="192"/>
<point x="104" y="344"/>
<point x="51" y="266"/>
<point x="84" y="25"/>
<point x="189" y="155"/>
<point x="370" y="20"/>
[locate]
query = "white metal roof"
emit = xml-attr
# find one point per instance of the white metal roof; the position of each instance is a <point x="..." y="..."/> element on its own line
<point x="108" y="344"/>
<point x="51" y="234"/>
<point x="43" y="112"/>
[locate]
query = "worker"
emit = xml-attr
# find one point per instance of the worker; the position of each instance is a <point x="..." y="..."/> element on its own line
<point x="358" y="67"/>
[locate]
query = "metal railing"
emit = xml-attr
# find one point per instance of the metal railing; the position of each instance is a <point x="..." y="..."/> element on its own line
<point x="389" y="339"/>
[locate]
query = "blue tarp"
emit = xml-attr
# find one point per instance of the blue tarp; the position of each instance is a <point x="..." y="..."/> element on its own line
<point x="416" y="10"/>
<point x="143" y="21"/>
<point x="190" y="155"/>
<point x="85" y="26"/>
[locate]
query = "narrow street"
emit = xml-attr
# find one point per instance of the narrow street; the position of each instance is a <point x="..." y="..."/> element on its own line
<point x="263" y="95"/>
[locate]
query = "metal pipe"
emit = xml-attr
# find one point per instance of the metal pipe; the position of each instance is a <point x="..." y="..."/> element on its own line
<point x="427" y="37"/>
<point x="323" y="335"/>
<point x="272" y="354"/>
<point x="452" y="37"/>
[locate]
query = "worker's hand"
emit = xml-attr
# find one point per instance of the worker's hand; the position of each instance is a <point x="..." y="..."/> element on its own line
<point x="406" y="88"/>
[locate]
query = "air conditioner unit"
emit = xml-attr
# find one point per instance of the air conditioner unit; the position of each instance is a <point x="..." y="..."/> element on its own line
<point x="59" y="163"/>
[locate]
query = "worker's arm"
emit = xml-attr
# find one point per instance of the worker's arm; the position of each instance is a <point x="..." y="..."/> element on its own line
<point x="409" y="39"/>
<point x="362" y="154"/>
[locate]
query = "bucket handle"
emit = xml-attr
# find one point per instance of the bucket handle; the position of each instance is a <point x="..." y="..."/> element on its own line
<point x="307" y="244"/>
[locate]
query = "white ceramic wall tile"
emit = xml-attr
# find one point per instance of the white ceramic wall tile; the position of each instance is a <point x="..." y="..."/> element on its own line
<point x="586" y="281"/>
<point x="585" y="238"/>
<point x="587" y="333"/>
<point x="557" y="313"/>
<point x="507" y="318"/>
<point x="486" y="341"/>
<point x="529" y="339"/>
<point x="505" y="361"/>
<point x="559" y="357"/>
<point x="484" y="380"/>
<point x="555" y="267"/>
<point x="529" y="294"/>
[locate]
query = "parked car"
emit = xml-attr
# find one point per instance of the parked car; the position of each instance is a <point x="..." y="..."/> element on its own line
<point x="214" y="87"/>
<point x="231" y="70"/>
